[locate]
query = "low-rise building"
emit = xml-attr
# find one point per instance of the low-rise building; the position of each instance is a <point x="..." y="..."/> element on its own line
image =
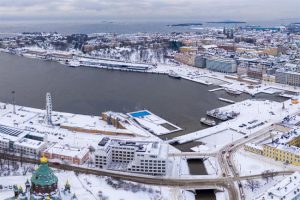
<point x="21" y="141"/>
<point x="132" y="156"/>
<point x="287" y="77"/>
<point x="257" y="149"/>
<point x="185" y="58"/>
<point x="67" y="153"/>
<point x="284" y="148"/>
<point x="288" y="188"/>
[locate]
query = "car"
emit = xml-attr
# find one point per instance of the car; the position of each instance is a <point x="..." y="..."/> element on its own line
<point x="246" y="136"/>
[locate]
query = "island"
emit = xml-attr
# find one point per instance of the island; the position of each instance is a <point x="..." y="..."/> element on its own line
<point x="226" y="22"/>
<point x="185" y="24"/>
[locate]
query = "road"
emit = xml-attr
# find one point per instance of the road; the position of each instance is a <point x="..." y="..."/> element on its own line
<point x="225" y="158"/>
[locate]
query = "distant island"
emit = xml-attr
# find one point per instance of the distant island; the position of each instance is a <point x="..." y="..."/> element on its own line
<point x="186" y="24"/>
<point x="227" y="22"/>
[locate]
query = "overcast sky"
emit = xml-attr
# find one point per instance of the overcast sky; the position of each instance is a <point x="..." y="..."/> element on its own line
<point x="166" y="10"/>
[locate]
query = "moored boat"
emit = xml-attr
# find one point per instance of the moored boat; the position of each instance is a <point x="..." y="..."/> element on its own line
<point x="208" y="122"/>
<point x="174" y="75"/>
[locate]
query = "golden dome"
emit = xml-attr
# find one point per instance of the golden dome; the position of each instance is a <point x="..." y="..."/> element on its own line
<point x="43" y="159"/>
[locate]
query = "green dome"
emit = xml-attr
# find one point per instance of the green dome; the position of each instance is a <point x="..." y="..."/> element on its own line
<point x="44" y="176"/>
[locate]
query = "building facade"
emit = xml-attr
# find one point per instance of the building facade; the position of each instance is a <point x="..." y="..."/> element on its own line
<point x="132" y="156"/>
<point x="221" y="65"/>
<point x="284" y="148"/>
<point x="68" y="154"/>
<point x="288" y="188"/>
<point x="200" y="61"/>
<point x="287" y="77"/>
<point x="21" y="141"/>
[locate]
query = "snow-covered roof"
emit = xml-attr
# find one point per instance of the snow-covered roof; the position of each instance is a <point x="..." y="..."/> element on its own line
<point x="288" y="188"/>
<point x="67" y="150"/>
<point x="283" y="142"/>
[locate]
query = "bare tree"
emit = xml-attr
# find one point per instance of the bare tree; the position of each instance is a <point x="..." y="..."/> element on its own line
<point x="267" y="175"/>
<point x="252" y="184"/>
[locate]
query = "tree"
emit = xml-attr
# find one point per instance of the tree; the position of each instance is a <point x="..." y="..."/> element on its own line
<point x="266" y="175"/>
<point x="252" y="184"/>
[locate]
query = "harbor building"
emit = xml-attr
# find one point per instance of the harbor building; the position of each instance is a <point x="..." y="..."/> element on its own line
<point x="66" y="153"/>
<point x="221" y="65"/>
<point x="132" y="156"/>
<point x="288" y="188"/>
<point x="287" y="77"/>
<point x="21" y="141"/>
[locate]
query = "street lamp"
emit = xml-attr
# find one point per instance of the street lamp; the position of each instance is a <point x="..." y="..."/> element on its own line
<point x="13" y="101"/>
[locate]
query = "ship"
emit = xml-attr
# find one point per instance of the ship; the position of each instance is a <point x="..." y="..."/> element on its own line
<point x="233" y="91"/>
<point x="174" y="75"/>
<point x="222" y="115"/>
<point x="217" y="114"/>
<point x="208" y="122"/>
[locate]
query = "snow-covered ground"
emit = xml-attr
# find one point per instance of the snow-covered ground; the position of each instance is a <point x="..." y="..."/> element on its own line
<point x="217" y="140"/>
<point x="258" y="186"/>
<point x="254" y="114"/>
<point x="88" y="187"/>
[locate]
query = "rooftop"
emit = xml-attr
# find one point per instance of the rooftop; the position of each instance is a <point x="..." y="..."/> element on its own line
<point x="288" y="188"/>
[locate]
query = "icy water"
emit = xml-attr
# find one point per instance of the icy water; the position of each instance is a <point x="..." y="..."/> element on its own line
<point x="91" y="91"/>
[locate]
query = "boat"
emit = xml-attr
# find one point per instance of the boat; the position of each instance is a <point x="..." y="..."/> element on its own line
<point x="174" y="75"/>
<point x="73" y="63"/>
<point x="208" y="122"/>
<point x="233" y="91"/>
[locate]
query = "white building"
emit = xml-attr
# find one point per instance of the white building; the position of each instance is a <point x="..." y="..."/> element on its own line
<point x="132" y="156"/>
<point x="288" y="188"/>
<point x="20" y="141"/>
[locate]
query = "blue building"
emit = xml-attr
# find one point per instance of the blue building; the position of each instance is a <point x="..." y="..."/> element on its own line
<point x="221" y="65"/>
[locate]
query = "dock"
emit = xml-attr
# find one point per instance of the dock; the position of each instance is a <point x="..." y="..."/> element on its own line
<point x="227" y="100"/>
<point x="216" y="89"/>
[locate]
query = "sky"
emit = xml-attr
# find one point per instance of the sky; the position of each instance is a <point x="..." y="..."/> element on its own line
<point x="150" y="10"/>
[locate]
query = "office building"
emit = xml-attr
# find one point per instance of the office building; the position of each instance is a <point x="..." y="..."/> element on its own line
<point x="221" y="65"/>
<point x="132" y="156"/>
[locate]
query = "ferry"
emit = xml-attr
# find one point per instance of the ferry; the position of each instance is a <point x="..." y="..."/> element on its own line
<point x="233" y="91"/>
<point x="174" y="75"/>
<point x="208" y="122"/>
